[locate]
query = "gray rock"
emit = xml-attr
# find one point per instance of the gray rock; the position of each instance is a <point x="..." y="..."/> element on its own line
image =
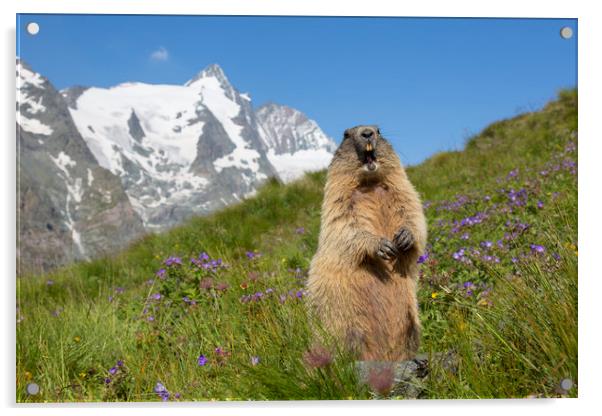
<point x="135" y="128"/>
<point x="408" y="377"/>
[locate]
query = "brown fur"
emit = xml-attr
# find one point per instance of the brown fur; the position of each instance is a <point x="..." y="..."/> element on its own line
<point x="361" y="299"/>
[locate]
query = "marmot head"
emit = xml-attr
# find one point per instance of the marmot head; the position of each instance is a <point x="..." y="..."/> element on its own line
<point x="365" y="152"/>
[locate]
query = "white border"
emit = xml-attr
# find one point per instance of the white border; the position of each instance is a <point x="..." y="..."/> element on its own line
<point x="590" y="68"/>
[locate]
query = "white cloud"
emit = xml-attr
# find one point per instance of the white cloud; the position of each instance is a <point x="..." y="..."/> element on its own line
<point x="160" y="54"/>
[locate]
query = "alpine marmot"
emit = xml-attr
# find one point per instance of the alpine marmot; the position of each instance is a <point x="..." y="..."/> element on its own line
<point x="362" y="279"/>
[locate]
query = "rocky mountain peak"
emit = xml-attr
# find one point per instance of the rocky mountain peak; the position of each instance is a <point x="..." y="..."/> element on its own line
<point x="210" y="71"/>
<point x="288" y="130"/>
<point x="295" y="143"/>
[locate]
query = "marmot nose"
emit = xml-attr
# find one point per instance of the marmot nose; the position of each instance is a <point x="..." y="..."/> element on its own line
<point x="367" y="133"/>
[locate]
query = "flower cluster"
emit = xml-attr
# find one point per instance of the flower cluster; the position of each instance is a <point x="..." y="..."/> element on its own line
<point x="113" y="371"/>
<point x="161" y="391"/>
<point x="203" y="261"/>
<point x="173" y="261"/>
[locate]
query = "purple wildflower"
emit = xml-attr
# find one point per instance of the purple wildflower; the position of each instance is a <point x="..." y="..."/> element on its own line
<point x="49" y="282"/>
<point x="202" y="360"/>
<point x="465" y="236"/>
<point x="171" y="261"/>
<point x="423" y="258"/>
<point x="189" y="301"/>
<point x="539" y="204"/>
<point x="486" y="244"/>
<point x="489" y="258"/>
<point x="107" y="380"/>
<point x="150" y="318"/>
<point x="119" y="363"/>
<point x="459" y="255"/>
<point x="251" y="255"/>
<point x="254" y="360"/>
<point x="113" y="370"/>
<point x="300" y="230"/>
<point x="161" y="391"/>
<point x="160" y="273"/>
<point x="517" y="198"/>
<point x="536" y="248"/>
<point x="156" y="296"/>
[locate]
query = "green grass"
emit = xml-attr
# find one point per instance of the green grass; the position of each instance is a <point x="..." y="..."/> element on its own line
<point x="510" y="318"/>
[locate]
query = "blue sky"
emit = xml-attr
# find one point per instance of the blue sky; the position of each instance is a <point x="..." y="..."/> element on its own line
<point x="429" y="83"/>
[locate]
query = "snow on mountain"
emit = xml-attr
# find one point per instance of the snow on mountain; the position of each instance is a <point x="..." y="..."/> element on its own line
<point x="295" y="143"/>
<point x="28" y="104"/>
<point x="145" y="134"/>
<point x="179" y="149"/>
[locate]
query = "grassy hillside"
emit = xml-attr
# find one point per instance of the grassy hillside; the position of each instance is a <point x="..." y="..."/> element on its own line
<point x="214" y="309"/>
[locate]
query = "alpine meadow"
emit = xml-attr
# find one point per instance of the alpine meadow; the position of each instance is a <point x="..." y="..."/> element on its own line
<point x="214" y="309"/>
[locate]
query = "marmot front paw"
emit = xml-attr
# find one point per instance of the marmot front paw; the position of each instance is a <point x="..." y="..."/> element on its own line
<point x="403" y="240"/>
<point x="386" y="250"/>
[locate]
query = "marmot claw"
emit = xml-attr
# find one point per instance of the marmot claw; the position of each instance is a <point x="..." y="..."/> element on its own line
<point x="386" y="249"/>
<point x="403" y="240"/>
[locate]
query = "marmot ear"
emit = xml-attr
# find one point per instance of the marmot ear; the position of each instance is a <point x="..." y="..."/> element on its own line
<point x="346" y="135"/>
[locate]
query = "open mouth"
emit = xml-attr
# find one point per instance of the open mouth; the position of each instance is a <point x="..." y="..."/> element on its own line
<point x="370" y="157"/>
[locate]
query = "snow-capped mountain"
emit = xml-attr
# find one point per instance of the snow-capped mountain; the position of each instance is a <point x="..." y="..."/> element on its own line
<point x="185" y="149"/>
<point x="178" y="149"/>
<point x="295" y="143"/>
<point x="168" y="152"/>
<point x="69" y="206"/>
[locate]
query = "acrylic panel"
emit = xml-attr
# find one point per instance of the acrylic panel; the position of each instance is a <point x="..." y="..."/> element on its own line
<point x="295" y="208"/>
